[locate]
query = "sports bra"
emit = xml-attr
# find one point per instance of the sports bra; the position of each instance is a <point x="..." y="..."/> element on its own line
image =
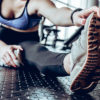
<point x="23" y="22"/>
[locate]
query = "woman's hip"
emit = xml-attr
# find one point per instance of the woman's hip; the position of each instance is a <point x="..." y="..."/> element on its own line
<point x="12" y="37"/>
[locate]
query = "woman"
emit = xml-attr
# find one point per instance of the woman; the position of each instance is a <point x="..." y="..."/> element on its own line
<point x="19" y="24"/>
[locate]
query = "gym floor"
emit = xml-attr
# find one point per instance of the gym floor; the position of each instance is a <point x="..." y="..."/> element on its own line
<point x="29" y="84"/>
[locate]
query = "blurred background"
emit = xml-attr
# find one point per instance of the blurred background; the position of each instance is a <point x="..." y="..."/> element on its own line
<point x="58" y="39"/>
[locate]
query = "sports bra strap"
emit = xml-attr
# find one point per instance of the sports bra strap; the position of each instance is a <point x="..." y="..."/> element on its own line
<point x="26" y="3"/>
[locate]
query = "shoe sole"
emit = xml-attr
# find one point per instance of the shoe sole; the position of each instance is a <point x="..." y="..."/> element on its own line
<point x="91" y="68"/>
<point x="87" y="89"/>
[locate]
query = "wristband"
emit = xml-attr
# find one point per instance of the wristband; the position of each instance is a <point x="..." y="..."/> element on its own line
<point x="76" y="10"/>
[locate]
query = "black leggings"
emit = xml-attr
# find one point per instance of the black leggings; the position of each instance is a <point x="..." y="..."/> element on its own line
<point x="35" y="54"/>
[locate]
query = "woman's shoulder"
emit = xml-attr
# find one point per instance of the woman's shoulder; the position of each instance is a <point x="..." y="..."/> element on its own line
<point x="34" y="5"/>
<point x="39" y="1"/>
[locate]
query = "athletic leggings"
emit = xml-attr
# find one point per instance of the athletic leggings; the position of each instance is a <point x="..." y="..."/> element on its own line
<point x="35" y="54"/>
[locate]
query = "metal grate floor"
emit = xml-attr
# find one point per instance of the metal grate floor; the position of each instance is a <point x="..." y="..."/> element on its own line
<point x="26" y="84"/>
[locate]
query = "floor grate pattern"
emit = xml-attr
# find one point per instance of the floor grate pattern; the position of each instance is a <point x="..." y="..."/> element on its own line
<point x="26" y="84"/>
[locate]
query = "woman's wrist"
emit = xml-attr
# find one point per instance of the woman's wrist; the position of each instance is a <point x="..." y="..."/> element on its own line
<point x="74" y="11"/>
<point x="2" y="44"/>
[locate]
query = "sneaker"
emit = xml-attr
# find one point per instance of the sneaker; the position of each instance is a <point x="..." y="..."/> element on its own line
<point x="85" y="57"/>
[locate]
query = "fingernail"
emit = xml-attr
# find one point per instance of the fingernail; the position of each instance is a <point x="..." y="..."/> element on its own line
<point x="14" y="65"/>
<point x="15" y="57"/>
<point x="21" y="49"/>
<point x="83" y="21"/>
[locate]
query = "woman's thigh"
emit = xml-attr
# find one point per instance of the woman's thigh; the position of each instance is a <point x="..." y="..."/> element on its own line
<point x="35" y="54"/>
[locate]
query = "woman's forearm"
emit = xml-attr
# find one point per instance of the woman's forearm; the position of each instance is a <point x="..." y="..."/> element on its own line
<point x="2" y="43"/>
<point x="58" y="16"/>
<point x="63" y="17"/>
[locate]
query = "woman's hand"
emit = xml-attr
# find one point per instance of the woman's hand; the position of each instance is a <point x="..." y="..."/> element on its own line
<point x="79" y="18"/>
<point x="7" y="54"/>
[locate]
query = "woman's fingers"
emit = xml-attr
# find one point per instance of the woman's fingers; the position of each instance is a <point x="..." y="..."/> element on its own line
<point x="17" y="47"/>
<point x="85" y="13"/>
<point x="9" y="60"/>
<point x="78" y="21"/>
<point x="80" y="17"/>
<point x="95" y="9"/>
<point x="6" y="62"/>
<point x="11" y="52"/>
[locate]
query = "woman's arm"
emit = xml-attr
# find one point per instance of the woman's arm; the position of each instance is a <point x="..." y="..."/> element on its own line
<point x="58" y="16"/>
<point x="2" y="44"/>
<point x="61" y="16"/>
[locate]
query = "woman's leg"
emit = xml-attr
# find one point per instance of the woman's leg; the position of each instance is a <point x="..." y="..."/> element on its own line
<point x="35" y="54"/>
<point x="47" y="62"/>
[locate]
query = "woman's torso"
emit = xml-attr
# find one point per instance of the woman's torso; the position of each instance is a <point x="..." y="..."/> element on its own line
<point x="19" y="16"/>
<point x="23" y="21"/>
